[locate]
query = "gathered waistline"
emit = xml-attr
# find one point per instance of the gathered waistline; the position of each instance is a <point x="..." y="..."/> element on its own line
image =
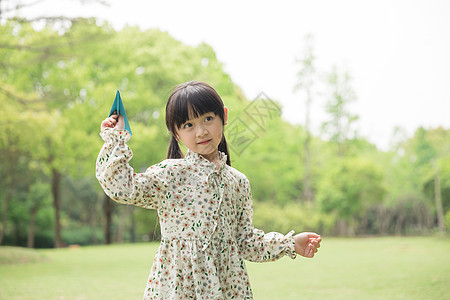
<point x="196" y="240"/>
<point x="203" y="242"/>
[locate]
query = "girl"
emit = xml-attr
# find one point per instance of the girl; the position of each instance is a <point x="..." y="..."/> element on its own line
<point x="204" y="205"/>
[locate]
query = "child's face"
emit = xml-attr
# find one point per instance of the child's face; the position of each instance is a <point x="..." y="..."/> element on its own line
<point x="202" y="135"/>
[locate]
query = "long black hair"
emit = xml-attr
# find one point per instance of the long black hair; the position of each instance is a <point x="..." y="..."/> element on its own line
<point x="191" y="100"/>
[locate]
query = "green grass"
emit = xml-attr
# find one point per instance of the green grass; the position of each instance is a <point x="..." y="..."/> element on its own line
<point x="370" y="268"/>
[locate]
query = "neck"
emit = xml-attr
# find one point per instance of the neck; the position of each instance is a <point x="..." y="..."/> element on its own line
<point x="213" y="157"/>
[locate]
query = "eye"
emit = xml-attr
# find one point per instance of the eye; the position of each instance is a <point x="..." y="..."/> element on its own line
<point x="209" y="118"/>
<point x="187" y="125"/>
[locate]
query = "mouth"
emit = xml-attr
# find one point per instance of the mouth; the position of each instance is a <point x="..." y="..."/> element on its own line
<point x="204" y="142"/>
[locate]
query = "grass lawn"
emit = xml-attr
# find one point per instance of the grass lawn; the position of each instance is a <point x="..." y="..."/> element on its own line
<point x="369" y="268"/>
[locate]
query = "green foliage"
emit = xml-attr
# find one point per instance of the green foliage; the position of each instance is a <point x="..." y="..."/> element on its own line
<point x="81" y="235"/>
<point x="349" y="188"/>
<point x="147" y="225"/>
<point x="273" y="177"/>
<point x="56" y="86"/>
<point x="447" y="220"/>
<point x="291" y="216"/>
<point x="339" y="128"/>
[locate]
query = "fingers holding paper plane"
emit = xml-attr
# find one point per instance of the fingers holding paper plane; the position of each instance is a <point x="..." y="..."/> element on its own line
<point x="120" y="123"/>
<point x="113" y="122"/>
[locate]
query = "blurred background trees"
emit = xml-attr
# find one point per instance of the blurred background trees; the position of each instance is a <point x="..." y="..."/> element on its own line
<point x="58" y="78"/>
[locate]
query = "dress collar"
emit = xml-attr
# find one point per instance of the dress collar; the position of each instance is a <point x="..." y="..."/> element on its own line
<point x="197" y="159"/>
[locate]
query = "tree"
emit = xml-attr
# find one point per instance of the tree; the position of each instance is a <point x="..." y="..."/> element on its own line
<point x="339" y="127"/>
<point x="70" y="77"/>
<point x="438" y="197"/>
<point x="431" y="150"/>
<point x="306" y="78"/>
<point x="348" y="189"/>
<point x="32" y="81"/>
<point x="38" y="195"/>
<point x="19" y="147"/>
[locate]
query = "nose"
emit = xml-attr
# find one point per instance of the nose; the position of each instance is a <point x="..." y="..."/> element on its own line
<point x="201" y="131"/>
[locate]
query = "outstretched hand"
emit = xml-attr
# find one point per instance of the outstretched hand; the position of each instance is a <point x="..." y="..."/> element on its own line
<point x="307" y="244"/>
<point x="113" y="122"/>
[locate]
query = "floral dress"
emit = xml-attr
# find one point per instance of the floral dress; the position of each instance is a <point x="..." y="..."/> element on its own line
<point x="206" y="222"/>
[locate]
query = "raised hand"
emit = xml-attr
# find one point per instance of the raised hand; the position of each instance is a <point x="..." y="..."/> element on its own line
<point x="113" y="122"/>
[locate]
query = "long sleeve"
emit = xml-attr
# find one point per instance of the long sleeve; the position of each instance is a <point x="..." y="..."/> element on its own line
<point x="117" y="177"/>
<point x="255" y="245"/>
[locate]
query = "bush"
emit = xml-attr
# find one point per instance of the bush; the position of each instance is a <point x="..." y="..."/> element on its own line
<point x="82" y="235"/>
<point x="447" y="221"/>
<point x="293" y="216"/>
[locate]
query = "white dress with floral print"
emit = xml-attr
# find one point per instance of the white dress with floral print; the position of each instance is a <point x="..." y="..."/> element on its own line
<point x="206" y="222"/>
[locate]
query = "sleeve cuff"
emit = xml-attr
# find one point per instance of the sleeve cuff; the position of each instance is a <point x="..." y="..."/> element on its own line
<point x="289" y="243"/>
<point x="115" y="135"/>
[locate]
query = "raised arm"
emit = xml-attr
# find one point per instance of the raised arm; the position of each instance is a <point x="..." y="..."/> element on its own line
<point x="117" y="177"/>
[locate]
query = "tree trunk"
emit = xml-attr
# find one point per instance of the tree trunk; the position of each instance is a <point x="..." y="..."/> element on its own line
<point x="307" y="192"/>
<point x="108" y="210"/>
<point x="383" y="219"/>
<point x="9" y="194"/>
<point x="93" y="227"/>
<point x="4" y="217"/>
<point x="32" y="226"/>
<point x="438" y="199"/>
<point x="342" y="227"/>
<point x="305" y="81"/>
<point x="93" y="216"/>
<point x="56" y="182"/>
<point x="132" y="225"/>
<point x="399" y="224"/>
<point x="122" y="224"/>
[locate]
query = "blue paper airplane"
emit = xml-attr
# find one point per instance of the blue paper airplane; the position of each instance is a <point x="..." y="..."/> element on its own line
<point x="120" y="109"/>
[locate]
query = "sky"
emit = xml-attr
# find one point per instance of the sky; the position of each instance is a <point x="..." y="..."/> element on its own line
<point x="396" y="51"/>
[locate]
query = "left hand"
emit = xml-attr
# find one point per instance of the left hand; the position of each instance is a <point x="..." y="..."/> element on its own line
<point x="307" y="244"/>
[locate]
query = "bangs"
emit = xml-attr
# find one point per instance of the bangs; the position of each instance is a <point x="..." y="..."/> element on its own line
<point x="189" y="102"/>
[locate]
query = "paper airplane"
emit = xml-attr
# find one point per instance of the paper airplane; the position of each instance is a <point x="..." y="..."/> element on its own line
<point x="120" y="109"/>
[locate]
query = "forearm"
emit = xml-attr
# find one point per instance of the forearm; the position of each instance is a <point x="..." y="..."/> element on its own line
<point x="113" y="172"/>
<point x="258" y="246"/>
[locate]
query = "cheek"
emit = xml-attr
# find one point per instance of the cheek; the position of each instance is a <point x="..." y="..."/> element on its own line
<point x="220" y="132"/>
<point x="185" y="137"/>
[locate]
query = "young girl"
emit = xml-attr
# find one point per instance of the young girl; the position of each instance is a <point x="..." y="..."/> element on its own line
<point x="204" y="205"/>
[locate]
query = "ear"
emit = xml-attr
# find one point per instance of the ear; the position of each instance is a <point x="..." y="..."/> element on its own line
<point x="225" y="115"/>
